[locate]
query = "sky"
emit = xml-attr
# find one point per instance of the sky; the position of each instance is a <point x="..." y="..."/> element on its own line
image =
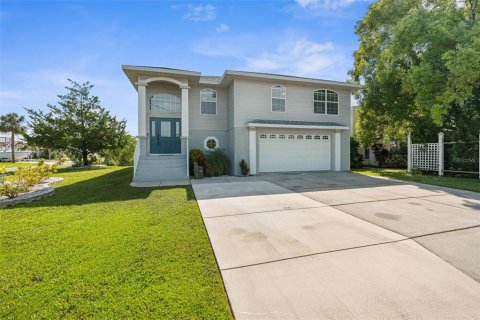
<point x="44" y="43"/>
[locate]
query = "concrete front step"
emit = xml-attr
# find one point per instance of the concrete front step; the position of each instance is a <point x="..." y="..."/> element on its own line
<point x="161" y="168"/>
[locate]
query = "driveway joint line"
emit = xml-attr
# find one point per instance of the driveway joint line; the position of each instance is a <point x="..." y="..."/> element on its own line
<point x="459" y="191"/>
<point x="266" y="211"/>
<point x="448" y="204"/>
<point x="351" y="248"/>
<point x="313" y="254"/>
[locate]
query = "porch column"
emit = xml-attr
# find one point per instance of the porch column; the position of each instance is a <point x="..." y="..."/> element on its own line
<point x="142" y="117"/>
<point x="185" y="110"/>
<point x="409" y="152"/>
<point x="440" y="153"/>
<point x="252" y="135"/>
<point x="185" y="126"/>
<point x="338" y="150"/>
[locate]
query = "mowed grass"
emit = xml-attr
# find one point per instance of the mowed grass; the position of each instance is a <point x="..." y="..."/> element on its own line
<point x="469" y="184"/>
<point x="101" y="249"/>
<point x="16" y="164"/>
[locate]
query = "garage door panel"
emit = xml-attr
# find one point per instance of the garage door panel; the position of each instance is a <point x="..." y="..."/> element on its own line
<point x="294" y="152"/>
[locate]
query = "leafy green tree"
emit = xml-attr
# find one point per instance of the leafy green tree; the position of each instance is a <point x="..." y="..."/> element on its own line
<point x="417" y="60"/>
<point x="122" y="156"/>
<point x="79" y="124"/>
<point x="13" y="123"/>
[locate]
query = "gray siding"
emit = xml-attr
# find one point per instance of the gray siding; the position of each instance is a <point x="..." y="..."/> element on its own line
<point x="198" y="136"/>
<point x="241" y="147"/>
<point x="253" y="101"/>
<point x="246" y="100"/>
<point x="207" y="121"/>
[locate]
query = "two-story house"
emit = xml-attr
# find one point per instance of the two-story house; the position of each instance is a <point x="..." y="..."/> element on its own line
<point x="275" y="122"/>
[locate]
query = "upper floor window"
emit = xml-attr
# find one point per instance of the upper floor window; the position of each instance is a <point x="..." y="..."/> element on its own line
<point x="208" y="101"/>
<point x="325" y="102"/>
<point x="165" y="102"/>
<point x="278" y="98"/>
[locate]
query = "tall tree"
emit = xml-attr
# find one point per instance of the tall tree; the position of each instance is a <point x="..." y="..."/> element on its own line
<point x="79" y="124"/>
<point x="416" y="60"/>
<point x="13" y="123"/>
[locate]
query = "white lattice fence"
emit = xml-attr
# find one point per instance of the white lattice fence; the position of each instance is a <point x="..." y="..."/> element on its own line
<point x="425" y="156"/>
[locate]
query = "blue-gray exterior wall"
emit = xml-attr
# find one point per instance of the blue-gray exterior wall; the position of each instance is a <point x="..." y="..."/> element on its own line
<point x="247" y="100"/>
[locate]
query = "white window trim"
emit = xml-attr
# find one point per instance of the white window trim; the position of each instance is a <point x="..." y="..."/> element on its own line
<point x="213" y="138"/>
<point x="326" y="114"/>
<point x="216" y="102"/>
<point x="271" y="97"/>
<point x="153" y="110"/>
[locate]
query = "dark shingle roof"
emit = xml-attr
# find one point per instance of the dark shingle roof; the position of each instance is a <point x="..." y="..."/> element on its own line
<point x="297" y="123"/>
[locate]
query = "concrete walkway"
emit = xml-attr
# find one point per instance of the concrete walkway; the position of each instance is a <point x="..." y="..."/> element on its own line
<point x="325" y="245"/>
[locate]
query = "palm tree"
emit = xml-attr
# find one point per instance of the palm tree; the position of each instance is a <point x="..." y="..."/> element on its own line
<point x="13" y="123"/>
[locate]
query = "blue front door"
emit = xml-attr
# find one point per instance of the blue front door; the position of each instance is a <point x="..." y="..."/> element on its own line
<point x="165" y="135"/>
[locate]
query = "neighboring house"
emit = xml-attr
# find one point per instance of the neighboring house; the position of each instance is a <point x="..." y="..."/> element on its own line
<point x="6" y="147"/>
<point x="275" y="122"/>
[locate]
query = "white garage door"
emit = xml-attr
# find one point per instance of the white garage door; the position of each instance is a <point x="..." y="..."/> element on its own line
<point x="294" y="152"/>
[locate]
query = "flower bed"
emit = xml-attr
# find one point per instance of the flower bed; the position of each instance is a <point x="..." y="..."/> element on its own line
<point x="39" y="191"/>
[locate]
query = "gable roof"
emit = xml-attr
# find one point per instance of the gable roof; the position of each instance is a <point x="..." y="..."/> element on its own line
<point x="133" y="72"/>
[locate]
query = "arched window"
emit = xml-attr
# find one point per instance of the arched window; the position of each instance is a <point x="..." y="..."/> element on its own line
<point x="208" y="101"/>
<point x="279" y="95"/>
<point x="325" y="102"/>
<point x="165" y="102"/>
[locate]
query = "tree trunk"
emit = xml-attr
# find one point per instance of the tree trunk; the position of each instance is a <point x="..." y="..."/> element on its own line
<point x="13" y="146"/>
<point x="85" y="157"/>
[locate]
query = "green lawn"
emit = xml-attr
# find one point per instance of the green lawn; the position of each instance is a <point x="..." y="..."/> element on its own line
<point x="451" y="182"/>
<point x="101" y="249"/>
<point x="16" y="164"/>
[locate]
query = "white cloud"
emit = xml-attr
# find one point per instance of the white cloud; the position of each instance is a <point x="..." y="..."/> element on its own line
<point x="222" y="28"/>
<point x="200" y="12"/>
<point x="325" y="4"/>
<point x="306" y="3"/>
<point x="285" y="53"/>
<point x="302" y="57"/>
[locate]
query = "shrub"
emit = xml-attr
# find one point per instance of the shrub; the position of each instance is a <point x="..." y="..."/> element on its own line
<point x="217" y="163"/>
<point x="381" y="154"/>
<point x="355" y="157"/>
<point x="10" y="189"/>
<point x="112" y="163"/>
<point x="396" y="160"/>
<point x="244" y="168"/>
<point x="25" y="178"/>
<point x="95" y="159"/>
<point x="197" y="155"/>
<point x="62" y="159"/>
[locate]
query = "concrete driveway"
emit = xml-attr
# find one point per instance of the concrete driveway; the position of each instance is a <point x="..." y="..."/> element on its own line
<point x="341" y="245"/>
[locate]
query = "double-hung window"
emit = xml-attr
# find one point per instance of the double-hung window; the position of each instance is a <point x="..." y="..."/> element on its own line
<point x="208" y="101"/>
<point x="278" y="98"/>
<point x="325" y="102"/>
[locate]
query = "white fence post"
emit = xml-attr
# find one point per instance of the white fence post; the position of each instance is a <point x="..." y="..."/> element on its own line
<point x="409" y="152"/>
<point x="440" y="153"/>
